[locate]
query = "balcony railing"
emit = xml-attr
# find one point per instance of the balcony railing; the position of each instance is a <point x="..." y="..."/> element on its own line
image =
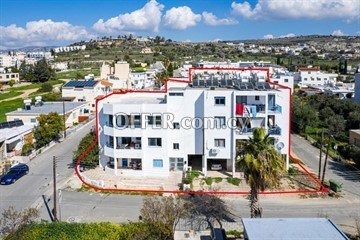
<point x="129" y="146"/>
<point x="275" y="108"/>
<point x="245" y="131"/>
<point x="275" y="131"/>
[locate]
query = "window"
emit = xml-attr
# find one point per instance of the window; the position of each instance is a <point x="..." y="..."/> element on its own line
<point x="33" y="120"/>
<point x="137" y="121"/>
<point x="176" y="146"/>
<point x="220" y="122"/>
<point x="176" y="125"/>
<point x="220" y="142"/>
<point x="157" y="163"/>
<point x="257" y="98"/>
<point x="176" y="164"/>
<point x="286" y="80"/>
<point x="176" y="94"/>
<point x="154" y="120"/>
<point x="154" y="142"/>
<point x="219" y="100"/>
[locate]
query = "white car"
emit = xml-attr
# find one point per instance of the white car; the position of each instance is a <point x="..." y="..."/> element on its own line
<point x="216" y="167"/>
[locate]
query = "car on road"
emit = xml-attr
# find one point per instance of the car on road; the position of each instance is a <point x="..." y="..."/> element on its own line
<point x="15" y="173"/>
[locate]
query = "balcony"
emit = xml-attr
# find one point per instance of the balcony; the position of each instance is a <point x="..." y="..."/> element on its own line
<point x="136" y="146"/>
<point x="249" y="110"/>
<point x="274" y="131"/>
<point x="275" y="108"/>
<point x="245" y="131"/>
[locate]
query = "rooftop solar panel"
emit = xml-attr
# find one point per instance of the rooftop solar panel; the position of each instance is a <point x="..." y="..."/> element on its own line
<point x="80" y="84"/>
<point x="267" y="86"/>
<point x="215" y="83"/>
<point x="222" y="82"/>
<point x="11" y="124"/>
<point x="195" y="83"/>
<point x="209" y="83"/>
<point x="229" y="83"/>
<point x="201" y="83"/>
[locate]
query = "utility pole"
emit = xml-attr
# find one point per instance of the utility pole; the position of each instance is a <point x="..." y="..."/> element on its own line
<point x="64" y="118"/>
<point x="55" y="192"/>
<point x="321" y="148"/>
<point x="326" y="160"/>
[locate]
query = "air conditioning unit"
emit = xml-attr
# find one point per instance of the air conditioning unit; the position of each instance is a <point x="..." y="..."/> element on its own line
<point x="137" y="146"/>
<point x="214" y="151"/>
<point x="280" y="146"/>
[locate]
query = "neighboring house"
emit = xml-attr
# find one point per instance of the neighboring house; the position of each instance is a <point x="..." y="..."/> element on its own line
<point x="160" y="138"/>
<point x="354" y="137"/>
<point x="13" y="135"/>
<point x="74" y="111"/>
<point x="86" y="91"/>
<point x="146" y="50"/>
<point x="141" y="80"/>
<point x="357" y="88"/>
<point x="291" y="229"/>
<point x="7" y="60"/>
<point x="7" y="76"/>
<point x="284" y="79"/>
<point x="312" y="76"/>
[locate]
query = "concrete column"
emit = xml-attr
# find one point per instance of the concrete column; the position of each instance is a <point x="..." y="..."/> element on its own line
<point x="287" y="162"/>
<point x="204" y="165"/>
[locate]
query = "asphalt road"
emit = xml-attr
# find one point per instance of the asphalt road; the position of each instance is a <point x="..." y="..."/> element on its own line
<point x="347" y="175"/>
<point x="119" y="208"/>
<point x="28" y="190"/>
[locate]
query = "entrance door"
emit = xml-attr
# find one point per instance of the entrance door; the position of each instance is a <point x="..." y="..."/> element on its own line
<point x="124" y="163"/>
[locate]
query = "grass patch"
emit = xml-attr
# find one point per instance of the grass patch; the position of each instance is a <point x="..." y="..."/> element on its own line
<point x="234" y="181"/>
<point x="218" y="179"/>
<point x="34" y="85"/>
<point x="208" y="180"/>
<point x="9" y="94"/>
<point x="234" y="233"/>
<point x="193" y="174"/>
<point x="8" y="106"/>
<point x="73" y="74"/>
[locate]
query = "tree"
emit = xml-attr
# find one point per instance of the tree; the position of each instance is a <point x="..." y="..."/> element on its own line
<point x="11" y="220"/>
<point x="208" y="208"/>
<point x="262" y="166"/>
<point x="11" y="82"/>
<point x="49" y="128"/>
<point x="79" y="75"/>
<point x="170" y="69"/>
<point x="162" y="214"/>
<point x="91" y="160"/>
<point x="43" y="72"/>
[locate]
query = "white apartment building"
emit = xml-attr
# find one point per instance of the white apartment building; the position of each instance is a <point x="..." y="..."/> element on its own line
<point x="6" y="76"/>
<point x="7" y="60"/>
<point x="312" y="76"/>
<point x="86" y="91"/>
<point x="164" y="131"/>
<point x="285" y="79"/>
<point x="69" y="48"/>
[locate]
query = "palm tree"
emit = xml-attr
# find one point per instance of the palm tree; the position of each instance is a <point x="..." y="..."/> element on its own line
<point x="262" y="166"/>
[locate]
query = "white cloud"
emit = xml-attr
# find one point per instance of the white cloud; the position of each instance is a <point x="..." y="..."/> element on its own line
<point x="268" y="36"/>
<point x="338" y="33"/>
<point x="181" y="18"/>
<point x="310" y="9"/>
<point x="212" y="20"/>
<point x="146" y="18"/>
<point x="41" y="33"/>
<point x="289" y="35"/>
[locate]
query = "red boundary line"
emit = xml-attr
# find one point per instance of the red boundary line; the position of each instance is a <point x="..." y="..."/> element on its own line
<point x="323" y="189"/>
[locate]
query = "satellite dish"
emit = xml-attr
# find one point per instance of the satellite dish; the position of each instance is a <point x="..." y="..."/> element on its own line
<point x="280" y="146"/>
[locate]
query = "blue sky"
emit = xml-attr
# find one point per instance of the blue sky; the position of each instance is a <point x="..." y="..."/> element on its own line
<point x="55" y="22"/>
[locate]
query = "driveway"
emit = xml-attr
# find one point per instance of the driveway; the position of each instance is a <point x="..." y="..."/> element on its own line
<point x="340" y="172"/>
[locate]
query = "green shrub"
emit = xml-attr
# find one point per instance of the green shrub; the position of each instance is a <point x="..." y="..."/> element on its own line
<point x="186" y="181"/>
<point x="292" y="171"/>
<point x="46" y="87"/>
<point x="78" y="231"/>
<point x="218" y="179"/>
<point x="208" y="180"/>
<point x="27" y="148"/>
<point x="234" y="181"/>
<point x="11" y="82"/>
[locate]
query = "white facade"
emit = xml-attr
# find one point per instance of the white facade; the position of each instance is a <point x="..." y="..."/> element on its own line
<point x="315" y="77"/>
<point x="69" y="48"/>
<point x="283" y="79"/>
<point x="6" y="76"/>
<point x="178" y="146"/>
<point x="7" y="60"/>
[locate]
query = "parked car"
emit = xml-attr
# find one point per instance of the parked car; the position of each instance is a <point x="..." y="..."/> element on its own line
<point x="216" y="166"/>
<point x="14" y="174"/>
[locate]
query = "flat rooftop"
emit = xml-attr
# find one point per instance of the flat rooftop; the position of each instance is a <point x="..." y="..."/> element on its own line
<point x="8" y="133"/>
<point x="140" y="100"/>
<point x="292" y="229"/>
<point x="49" y="107"/>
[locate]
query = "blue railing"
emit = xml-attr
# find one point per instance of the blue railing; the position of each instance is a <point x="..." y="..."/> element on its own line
<point x="275" y="131"/>
<point x="275" y="108"/>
